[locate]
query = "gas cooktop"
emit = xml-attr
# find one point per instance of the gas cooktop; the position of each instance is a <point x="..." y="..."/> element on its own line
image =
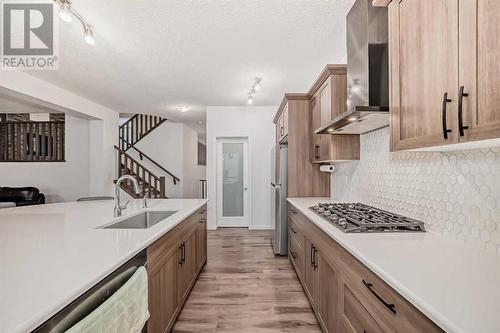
<point x="357" y="217"/>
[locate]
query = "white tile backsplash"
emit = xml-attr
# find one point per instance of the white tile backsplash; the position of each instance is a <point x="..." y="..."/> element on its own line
<point x="456" y="194"/>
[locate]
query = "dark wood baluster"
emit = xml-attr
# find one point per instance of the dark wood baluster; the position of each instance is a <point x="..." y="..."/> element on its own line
<point x="149" y="185"/>
<point x="63" y="157"/>
<point x="143" y="179"/>
<point x="49" y="144"/>
<point x="142" y="125"/>
<point x="162" y="187"/>
<point x="136" y="124"/>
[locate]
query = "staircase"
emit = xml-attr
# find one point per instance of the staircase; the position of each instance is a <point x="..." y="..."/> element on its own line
<point x="131" y="132"/>
<point x="136" y="128"/>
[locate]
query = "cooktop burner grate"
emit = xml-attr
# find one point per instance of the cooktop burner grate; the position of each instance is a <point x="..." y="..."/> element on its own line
<point x="358" y="217"/>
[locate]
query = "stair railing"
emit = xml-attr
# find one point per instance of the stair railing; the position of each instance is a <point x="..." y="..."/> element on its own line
<point x="136" y="128"/>
<point x="143" y="155"/>
<point x="151" y="185"/>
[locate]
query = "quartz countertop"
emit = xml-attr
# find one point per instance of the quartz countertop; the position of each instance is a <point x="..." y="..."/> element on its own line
<point x="454" y="284"/>
<point x="51" y="254"/>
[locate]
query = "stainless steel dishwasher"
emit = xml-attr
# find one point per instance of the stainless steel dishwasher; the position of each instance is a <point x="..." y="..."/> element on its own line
<point x="93" y="298"/>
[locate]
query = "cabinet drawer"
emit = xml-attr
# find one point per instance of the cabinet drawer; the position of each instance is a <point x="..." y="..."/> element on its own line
<point x="382" y="302"/>
<point x="354" y="317"/>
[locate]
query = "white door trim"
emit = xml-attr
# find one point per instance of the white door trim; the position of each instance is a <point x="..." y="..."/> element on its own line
<point x="243" y="221"/>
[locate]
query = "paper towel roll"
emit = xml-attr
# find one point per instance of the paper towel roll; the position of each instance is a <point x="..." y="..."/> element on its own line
<point x="327" y="168"/>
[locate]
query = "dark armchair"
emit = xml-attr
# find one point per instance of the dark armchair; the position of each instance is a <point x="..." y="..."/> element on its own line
<point x="22" y="196"/>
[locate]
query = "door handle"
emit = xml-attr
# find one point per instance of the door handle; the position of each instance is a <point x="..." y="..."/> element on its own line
<point x="183" y="251"/>
<point x="315" y="266"/>
<point x="390" y="306"/>
<point x="180" y="260"/>
<point x="312" y="255"/>
<point x="445" y="127"/>
<point x="461" y="96"/>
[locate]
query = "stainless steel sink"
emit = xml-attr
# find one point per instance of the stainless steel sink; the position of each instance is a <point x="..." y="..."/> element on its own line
<point x="142" y="220"/>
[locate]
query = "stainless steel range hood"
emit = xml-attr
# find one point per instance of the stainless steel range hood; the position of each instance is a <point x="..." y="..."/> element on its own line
<point x="367" y="72"/>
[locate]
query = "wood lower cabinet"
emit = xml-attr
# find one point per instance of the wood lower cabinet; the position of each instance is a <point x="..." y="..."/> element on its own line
<point x="163" y="303"/>
<point x="173" y="263"/>
<point x="345" y="295"/>
<point x="354" y="317"/>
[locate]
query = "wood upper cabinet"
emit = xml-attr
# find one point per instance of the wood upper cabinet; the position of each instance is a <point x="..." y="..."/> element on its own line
<point x="423" y="41"/>
<point x="282" y="125"/>
<point x="445" y="78"/>
<point x="479" y="70"/>
<point x="327" y="101"/>
<point x="304" y="178"/>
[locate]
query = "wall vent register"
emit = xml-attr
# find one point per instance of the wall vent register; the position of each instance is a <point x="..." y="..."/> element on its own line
<point x="357" y="217"/>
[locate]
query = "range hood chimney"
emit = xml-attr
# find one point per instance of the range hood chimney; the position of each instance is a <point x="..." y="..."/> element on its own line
<point x="367" y="72"/>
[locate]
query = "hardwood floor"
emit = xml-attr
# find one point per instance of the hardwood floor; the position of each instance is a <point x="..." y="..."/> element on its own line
<point x="245" y="288"/>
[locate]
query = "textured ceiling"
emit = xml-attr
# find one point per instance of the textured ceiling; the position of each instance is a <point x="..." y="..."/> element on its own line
<point x="152" y="55"/>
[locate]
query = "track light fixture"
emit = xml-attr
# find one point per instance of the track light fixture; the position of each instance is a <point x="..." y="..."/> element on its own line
<point x="67" y="12"/>
<point x="254" y="89"/>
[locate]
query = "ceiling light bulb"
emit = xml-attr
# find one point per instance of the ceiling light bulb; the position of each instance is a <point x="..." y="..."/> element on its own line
<point x="250" y="100"/>
<point x="256" y="87"/>
<point x="88" y="35"/>
<point x="65" y="12"/>
<point x="183" y="108"/>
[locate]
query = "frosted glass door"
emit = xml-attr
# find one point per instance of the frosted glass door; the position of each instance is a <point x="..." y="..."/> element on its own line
<point x="232" y="179"/>
<point x="232" y="190"/>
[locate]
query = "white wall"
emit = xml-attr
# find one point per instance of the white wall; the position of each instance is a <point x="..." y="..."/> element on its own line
<point x="103" y="124"/>
<point x="256" y="123"/>
<point x="59" y="181"/>
<point x="192" y="172"/>
<point x="175" y="147"/>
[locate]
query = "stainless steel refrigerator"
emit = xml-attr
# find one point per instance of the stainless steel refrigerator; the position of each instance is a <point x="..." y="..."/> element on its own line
<point x="278" y="200"/>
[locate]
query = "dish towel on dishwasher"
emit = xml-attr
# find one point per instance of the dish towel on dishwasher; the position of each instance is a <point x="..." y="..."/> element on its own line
<point x="126" y="311"/>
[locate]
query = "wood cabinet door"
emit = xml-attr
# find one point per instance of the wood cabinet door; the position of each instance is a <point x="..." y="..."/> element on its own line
<point x="315" y="120"/>
<point x="423" y="42"/>
<point x="285" y="121"/>
<point x="328" y="294"/>
<point x="182" y="274"/>
<point x="479" y="70"/>
<point x="354" y="317"/>
<point x="190" y="263"/>
<point x="163" y="301"/>
<point x="338" y="95"/>
<point x="201" y="244"/>
<point x="325" y="102"/>
<point x="311" y="273"/>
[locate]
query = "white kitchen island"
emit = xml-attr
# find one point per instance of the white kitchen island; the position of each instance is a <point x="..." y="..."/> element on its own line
<point x="51" y="254"/>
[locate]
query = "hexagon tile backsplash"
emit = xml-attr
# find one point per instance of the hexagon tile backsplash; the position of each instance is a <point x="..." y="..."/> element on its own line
<point x="456" y="194"/>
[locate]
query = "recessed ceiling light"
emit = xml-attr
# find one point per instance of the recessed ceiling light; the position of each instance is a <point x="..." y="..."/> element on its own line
<point x="330" y="130"/>
<point x="183" y="108"/>
<point x="352" y="119"/>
